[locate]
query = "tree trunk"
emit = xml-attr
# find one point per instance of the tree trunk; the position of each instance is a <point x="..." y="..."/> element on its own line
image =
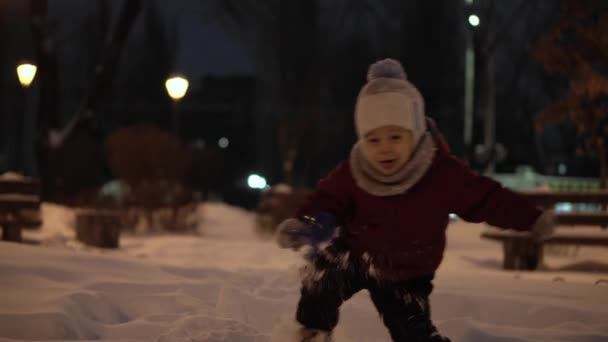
<point x="20" y="125"/>
<point x="601" y="150"/>
<point x="106" y="67"/>
<point x="46" y="78"/>
<point x="299" y="84"/>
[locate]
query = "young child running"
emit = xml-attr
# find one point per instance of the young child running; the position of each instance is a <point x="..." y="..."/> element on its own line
<point x="392" y="199"/>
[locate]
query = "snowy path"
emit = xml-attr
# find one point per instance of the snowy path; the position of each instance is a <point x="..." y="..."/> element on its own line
<point x="227" y="285"/>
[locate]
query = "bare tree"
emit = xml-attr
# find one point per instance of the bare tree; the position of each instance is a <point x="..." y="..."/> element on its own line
<point x="289" y="54"/>
<point x="142" y="76"/>
<point x="304" y="67"/>
<point x="432" y="37"/>
<point x="576" y="48"/>
<point x="50" y="135"/>
<point x="47" y="80"/>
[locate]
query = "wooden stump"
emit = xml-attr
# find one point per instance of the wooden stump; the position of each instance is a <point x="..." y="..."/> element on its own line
<point x="99" y="228"/>
<point x="521" y="254"/>
<point x="11" y="233"/>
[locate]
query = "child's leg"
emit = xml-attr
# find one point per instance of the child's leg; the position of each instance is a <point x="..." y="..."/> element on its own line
<point x="325" y="288"/>
<point x="405" y="309"/>
<point x="319" y="310"/>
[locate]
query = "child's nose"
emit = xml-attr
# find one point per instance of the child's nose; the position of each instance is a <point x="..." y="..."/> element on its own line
<point x="385" y="147"/>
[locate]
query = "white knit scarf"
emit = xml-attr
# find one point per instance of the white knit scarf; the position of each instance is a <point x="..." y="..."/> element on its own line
<point x="375" y="183"/>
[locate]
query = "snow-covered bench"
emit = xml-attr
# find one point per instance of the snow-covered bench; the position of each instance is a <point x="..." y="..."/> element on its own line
<point x="521" y="252"/>
<point x="19" y="206"/>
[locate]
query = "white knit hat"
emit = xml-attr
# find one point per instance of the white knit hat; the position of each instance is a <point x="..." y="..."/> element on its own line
<point x="389" y="99"/>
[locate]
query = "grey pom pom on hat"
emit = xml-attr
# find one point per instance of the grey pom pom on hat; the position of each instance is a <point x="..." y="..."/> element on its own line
<point x="388" y="98"/>
<point x="386" y="68"/>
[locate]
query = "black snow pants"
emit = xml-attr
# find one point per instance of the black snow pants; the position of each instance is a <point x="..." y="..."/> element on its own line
<point x="403" y="305"/>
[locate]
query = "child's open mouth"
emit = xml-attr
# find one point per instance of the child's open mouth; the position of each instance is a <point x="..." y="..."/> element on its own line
<point x="388" y="163"/>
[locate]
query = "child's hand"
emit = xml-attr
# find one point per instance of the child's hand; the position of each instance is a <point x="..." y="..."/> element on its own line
<point x="311" y="230"/>
<point x="544" y="226"/>
<point x="288" y="233"/>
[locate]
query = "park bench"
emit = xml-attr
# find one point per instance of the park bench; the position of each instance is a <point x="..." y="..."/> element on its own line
<point x="19" y="206"/>
<point x="521" y="252"/>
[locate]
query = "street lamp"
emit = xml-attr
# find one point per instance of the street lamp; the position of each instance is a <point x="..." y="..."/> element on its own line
<point x="177" y="87"/>
<point x="26" y="73"/>
<point x="474" y="20"/>
<point x="23" y="162"/>
<point x="469" y="83"/>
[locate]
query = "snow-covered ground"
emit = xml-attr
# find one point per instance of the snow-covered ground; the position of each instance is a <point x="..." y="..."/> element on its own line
<point x="226" y="284"/>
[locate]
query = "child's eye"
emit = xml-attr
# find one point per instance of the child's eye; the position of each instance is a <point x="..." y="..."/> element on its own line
<point x="373" y="140"/>
<point x="395" y="137"/>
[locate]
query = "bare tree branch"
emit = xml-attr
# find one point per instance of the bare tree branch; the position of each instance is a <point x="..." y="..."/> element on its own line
<point x="503" y="30"/>
<point x="105" y="69"/>
<point x="103" y="73"/>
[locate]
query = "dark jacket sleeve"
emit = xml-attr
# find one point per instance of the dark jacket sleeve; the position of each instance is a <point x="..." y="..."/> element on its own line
<point x="481" y="199"/>
<point x="333" y="195"/>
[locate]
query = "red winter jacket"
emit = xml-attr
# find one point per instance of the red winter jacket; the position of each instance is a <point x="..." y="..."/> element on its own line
<point x="404" y="235"/>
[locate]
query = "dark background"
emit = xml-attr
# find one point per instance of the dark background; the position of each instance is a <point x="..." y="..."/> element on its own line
<point x="278" y="79"/>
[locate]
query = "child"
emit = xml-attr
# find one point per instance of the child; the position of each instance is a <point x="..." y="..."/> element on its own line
<point x="392" y="198"/>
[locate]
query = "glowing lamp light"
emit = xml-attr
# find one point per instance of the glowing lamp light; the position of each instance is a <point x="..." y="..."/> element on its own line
<point x="256" y="181"/>
<point x="223" y="142"/>
<point x="26" y="73"/>
<point x="474" y="20"/>
<point x="176" y="87"/>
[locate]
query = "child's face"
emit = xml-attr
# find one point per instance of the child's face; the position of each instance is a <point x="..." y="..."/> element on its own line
<point x="388" y="148"/>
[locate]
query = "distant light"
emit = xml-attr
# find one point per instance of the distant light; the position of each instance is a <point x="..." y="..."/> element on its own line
<point x="562" y="169"/>
<point x="474" y="20"/>
<point x="469" y="1"/>
<point x="453" y="217"/>
<point x="223" y="142"/>
<point x="256" y="181"/>
<point x="177" y="87"/>
<point x="26" y="73"/>
<point x="563" y="207"/>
